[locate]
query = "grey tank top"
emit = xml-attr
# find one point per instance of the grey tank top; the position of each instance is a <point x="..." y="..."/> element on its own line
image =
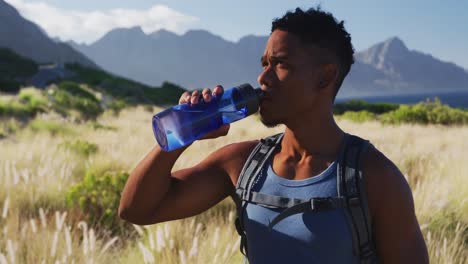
<point x="311" y="237"/>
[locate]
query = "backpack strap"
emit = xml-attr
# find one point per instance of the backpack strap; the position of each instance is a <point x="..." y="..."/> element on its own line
<point x="292" y="205"/>
<point x="351" y="186"/>
<point x="316" y="204"/>
<point x="313" y="205"/>
<point x="247" y="178"/>
<point x="271" y="201"/>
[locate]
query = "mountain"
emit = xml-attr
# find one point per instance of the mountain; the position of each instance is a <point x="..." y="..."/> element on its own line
<point x="29" y="40"/>
<point x="200" y="59"/>
<point x="390" y="66"/>
<point x="193" y="60"/>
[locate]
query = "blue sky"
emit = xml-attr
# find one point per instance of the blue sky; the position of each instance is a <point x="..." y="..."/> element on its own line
<point x="435" y="27"/>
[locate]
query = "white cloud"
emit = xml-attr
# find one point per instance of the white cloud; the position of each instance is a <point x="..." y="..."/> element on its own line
<point x="89" y="26"/>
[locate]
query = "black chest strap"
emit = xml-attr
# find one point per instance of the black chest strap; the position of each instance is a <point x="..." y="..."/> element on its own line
<point x="292" y="205"/>
<point x="313" y="205"/>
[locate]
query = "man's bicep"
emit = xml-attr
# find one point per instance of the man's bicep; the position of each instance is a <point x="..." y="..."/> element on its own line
<point x="196" y="189"/>
<point x="396" y="229"/>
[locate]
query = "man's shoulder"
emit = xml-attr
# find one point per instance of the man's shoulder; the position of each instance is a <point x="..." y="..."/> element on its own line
<point x="377" y="165"/>
<point x="383" y="179"/>
<point x="232" y="157"/>
<point x="237" y="149"/>
<point x="375" y="161"/>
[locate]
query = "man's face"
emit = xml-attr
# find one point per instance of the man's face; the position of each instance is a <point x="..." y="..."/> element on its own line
<point x="290" y="78"/>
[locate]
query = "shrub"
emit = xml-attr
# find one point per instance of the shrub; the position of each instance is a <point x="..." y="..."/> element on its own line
<point x="149" y="109"/>
<point x="449" y="222"/>
<point x="88" y="109"/>
<point x="406" y="114"/>
<point x="427" y="112"/>
<point x="52" y="127"/>
<point x="75" y="90"/>
<point x="97" y="197"/>
<point x="443" y="114"/>
<point x="34" y="100"/>
<point x="97" y="126"/>
<point x="167" y="94"/>
<point x="30" y="102"/>
<point x="71" y="96"/>
<point x="8" y="127"/>
<point x="360" y="116"/>
<point x="360" y="105"/>
<point x="81" y="147"/>
<point x="116" y="106"/>
<point x="14" y="109"/>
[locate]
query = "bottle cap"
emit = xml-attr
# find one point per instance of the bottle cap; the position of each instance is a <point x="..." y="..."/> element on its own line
<point x="260" y="93"/>
<point x="251" y="97"/>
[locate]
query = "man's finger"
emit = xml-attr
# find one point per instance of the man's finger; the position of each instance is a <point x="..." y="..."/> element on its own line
<point x="195" y="97"/>
<point x="218" y="90"/>
<point x="184" y="98"/>
<point x="206" y="94"/>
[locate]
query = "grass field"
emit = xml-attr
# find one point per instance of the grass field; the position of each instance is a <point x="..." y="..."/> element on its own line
<point x="36" y="171"/>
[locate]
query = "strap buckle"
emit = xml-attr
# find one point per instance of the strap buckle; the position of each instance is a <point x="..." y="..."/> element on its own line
<point x="367" y="251"/>
<point x="317" y="204"/>
<point x="354" y="201"/>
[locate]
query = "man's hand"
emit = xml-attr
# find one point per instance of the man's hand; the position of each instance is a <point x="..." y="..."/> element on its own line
<point x="194" y="98"/>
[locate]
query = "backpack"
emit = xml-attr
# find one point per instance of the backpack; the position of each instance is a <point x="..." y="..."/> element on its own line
<point x="351" y="194"/>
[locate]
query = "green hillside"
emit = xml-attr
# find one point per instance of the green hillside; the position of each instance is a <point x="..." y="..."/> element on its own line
<point x="14" y="70"/>
<point x="123" y="89"/>
<point x="83" y="95"/>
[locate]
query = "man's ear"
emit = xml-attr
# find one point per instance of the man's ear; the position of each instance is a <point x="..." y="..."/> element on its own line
<point x="329" y="75"/>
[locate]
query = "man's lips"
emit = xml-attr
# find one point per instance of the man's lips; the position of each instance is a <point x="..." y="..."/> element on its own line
<point x="265" y="101"/>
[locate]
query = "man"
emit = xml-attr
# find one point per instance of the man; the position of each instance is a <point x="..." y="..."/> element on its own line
<point x="304" y="64"/>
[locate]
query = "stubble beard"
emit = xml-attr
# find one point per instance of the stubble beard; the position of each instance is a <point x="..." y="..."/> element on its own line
<point x="269" y="123"/>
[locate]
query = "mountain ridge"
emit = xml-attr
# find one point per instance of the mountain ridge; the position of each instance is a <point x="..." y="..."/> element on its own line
<point x="384" y="68"/>
<point x="411" y="69"/>
<point x="199" y="58"/>
<point x="30" y="40"/>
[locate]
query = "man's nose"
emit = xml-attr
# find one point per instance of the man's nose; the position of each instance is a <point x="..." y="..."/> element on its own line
<point x="265" y="76"/>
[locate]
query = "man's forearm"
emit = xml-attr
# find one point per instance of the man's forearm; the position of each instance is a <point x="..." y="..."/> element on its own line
<point x="148" y="184"/>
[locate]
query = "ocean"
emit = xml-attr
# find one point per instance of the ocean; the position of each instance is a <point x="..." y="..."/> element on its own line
<point x="457" y="99"/>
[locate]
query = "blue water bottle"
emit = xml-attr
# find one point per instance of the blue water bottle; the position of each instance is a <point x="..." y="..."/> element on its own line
<point x="182" y="124"/>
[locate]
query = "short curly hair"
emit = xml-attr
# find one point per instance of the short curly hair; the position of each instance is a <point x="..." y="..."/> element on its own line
<point x="320" y="28"/>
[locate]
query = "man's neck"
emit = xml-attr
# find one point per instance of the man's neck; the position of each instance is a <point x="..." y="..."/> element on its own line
<point x="314" y="136"/>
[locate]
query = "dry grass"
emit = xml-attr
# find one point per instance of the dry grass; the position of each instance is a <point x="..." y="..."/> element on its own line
<point x="37" y="227"/>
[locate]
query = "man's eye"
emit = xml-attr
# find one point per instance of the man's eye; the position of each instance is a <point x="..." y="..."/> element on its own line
<point x="278" y="62"/>
<point x="281" y="63"/>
